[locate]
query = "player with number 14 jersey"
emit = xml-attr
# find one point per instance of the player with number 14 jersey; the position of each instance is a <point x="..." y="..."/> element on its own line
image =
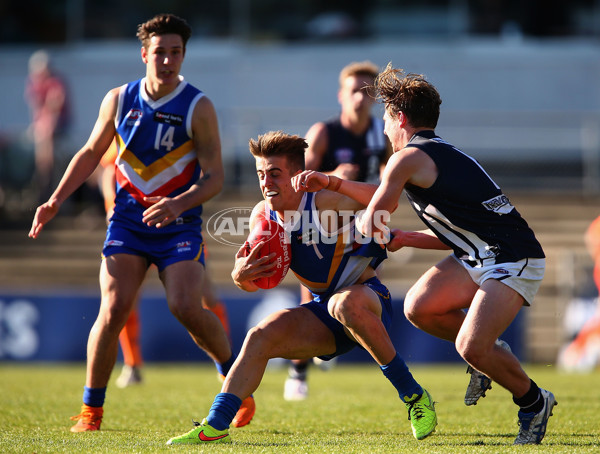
<point x="156" y="151"/>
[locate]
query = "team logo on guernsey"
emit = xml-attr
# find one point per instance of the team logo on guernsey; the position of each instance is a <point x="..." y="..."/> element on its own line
<point x="168" y="118"/>
<point x="134" y="114"/>
<point x="133" y="117"/>
<point x="499" y="204"/>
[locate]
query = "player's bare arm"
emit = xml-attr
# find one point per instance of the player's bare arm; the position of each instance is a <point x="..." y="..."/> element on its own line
<point x="340" y="195"/>
<point x="422" y="239"/>
<point x="83" y="164"/>
<point x="207" y="144"/>
<point x="409" y="165"/>
<point x="317" y="140"/>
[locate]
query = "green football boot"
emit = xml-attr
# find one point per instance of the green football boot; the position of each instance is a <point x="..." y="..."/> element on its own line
<point x="202" y="433"/>
<point x="421" y="413"/>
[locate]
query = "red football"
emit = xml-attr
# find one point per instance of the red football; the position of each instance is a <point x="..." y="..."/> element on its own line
<point x="277" y="242"/>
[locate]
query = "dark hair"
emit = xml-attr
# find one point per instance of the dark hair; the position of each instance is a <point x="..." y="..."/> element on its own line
<point x="411" y="94"/>
<point x="277" y="143"/>
<point x="163" y="24"/>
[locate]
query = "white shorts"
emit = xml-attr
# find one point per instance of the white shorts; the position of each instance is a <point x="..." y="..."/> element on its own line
<point x="524" y="276"/>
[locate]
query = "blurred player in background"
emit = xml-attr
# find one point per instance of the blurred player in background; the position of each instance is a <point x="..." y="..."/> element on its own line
<point x="169" y="164"/>
<point x="497" y="265"/>
<point x="352" y="146"/>
<point x="47" y="96"/>
<point x="351" y="307"/>
<point x="129" y="338"/>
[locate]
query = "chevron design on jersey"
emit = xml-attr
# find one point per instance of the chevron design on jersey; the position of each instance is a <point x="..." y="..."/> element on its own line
<point x="161" y="177"/>
<point x="338" y="255"/>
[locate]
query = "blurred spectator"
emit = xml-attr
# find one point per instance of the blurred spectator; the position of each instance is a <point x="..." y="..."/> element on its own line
<point x="583" y="353"/>
<point x="47" y="97"/>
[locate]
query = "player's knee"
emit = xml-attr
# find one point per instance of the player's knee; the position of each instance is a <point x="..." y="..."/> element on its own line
<point x="470" y="350"/>
<point x="259" y="341"/>
<point x="346" y="310"/>
<point x="413" y="310"/>
<point x="184" y="311"/>
<point x="114" y="314"/>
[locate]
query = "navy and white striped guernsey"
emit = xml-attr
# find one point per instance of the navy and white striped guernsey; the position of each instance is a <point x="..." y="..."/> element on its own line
<point x="467" y="210"/>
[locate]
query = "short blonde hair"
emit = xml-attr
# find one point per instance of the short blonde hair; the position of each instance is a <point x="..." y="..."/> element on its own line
<point x="359" y="68"/>
<point x="278" y="143"/>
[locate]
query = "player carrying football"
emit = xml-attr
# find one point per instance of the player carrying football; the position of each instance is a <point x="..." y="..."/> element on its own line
<point x="351" y="307"/>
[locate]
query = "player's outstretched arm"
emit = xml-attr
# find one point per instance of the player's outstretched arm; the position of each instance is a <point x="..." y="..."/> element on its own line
<point x="82" y="165"/>
<point x="423" y="239"/>
<point x="312" y="181"/>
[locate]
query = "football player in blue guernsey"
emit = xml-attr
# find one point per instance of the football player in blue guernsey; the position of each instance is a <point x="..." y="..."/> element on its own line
<point x="168" y="164"/>
<point x="352" y="146"/>
<point x="497" y="263"/>
<point x="351" y="307"/>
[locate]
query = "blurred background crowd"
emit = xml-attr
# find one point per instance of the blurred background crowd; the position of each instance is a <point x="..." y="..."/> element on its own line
<point x="519" y="78"/>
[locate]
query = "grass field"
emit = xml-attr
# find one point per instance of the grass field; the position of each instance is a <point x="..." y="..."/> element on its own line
<point x="351" y="409"/>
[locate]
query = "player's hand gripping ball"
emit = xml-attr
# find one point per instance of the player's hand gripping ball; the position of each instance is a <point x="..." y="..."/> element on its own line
<point x="276" y="240"/>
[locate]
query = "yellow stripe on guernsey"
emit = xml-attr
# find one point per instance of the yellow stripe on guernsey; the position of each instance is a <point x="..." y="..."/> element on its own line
<point x="149" y="178"/>
<point x="199" y="253"/>
<point x="335" y="263"/>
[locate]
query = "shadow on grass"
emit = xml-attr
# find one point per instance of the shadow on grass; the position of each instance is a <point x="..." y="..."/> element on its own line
<point x="502" y="439"/>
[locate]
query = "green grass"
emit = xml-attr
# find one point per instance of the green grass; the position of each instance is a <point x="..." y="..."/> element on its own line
<point x="351" y="409"/>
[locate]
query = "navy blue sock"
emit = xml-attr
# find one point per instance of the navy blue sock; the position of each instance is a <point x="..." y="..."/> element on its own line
<point x="223" y="410"/>
<point x="94" y="397"/>
<point x="532" y="401"/>
<point x="398" y="374"/>
<point x="223" y="368"/>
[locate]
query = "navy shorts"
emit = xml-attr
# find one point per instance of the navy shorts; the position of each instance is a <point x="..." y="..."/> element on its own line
<point x="343" y="343"/>
<point x="161" y="249"/>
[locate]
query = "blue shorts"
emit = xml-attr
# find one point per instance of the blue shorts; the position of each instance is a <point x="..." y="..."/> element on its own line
<point x="343" y="343"/>
<point x="161" y="249"/>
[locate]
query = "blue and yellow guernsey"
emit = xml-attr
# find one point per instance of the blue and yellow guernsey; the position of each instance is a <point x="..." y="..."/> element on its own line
<point x="326" y="262"/>
<point x="156" y="155"/>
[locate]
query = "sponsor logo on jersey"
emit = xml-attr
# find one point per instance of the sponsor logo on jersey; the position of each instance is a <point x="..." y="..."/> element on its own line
<point x="499" y="204"/>
<point x="168" y="118"/>
<point x="113" y="243"/>
<point x="501" y="271"/>
<point x="184" y="246"/>
<point x="491" y="251"/>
